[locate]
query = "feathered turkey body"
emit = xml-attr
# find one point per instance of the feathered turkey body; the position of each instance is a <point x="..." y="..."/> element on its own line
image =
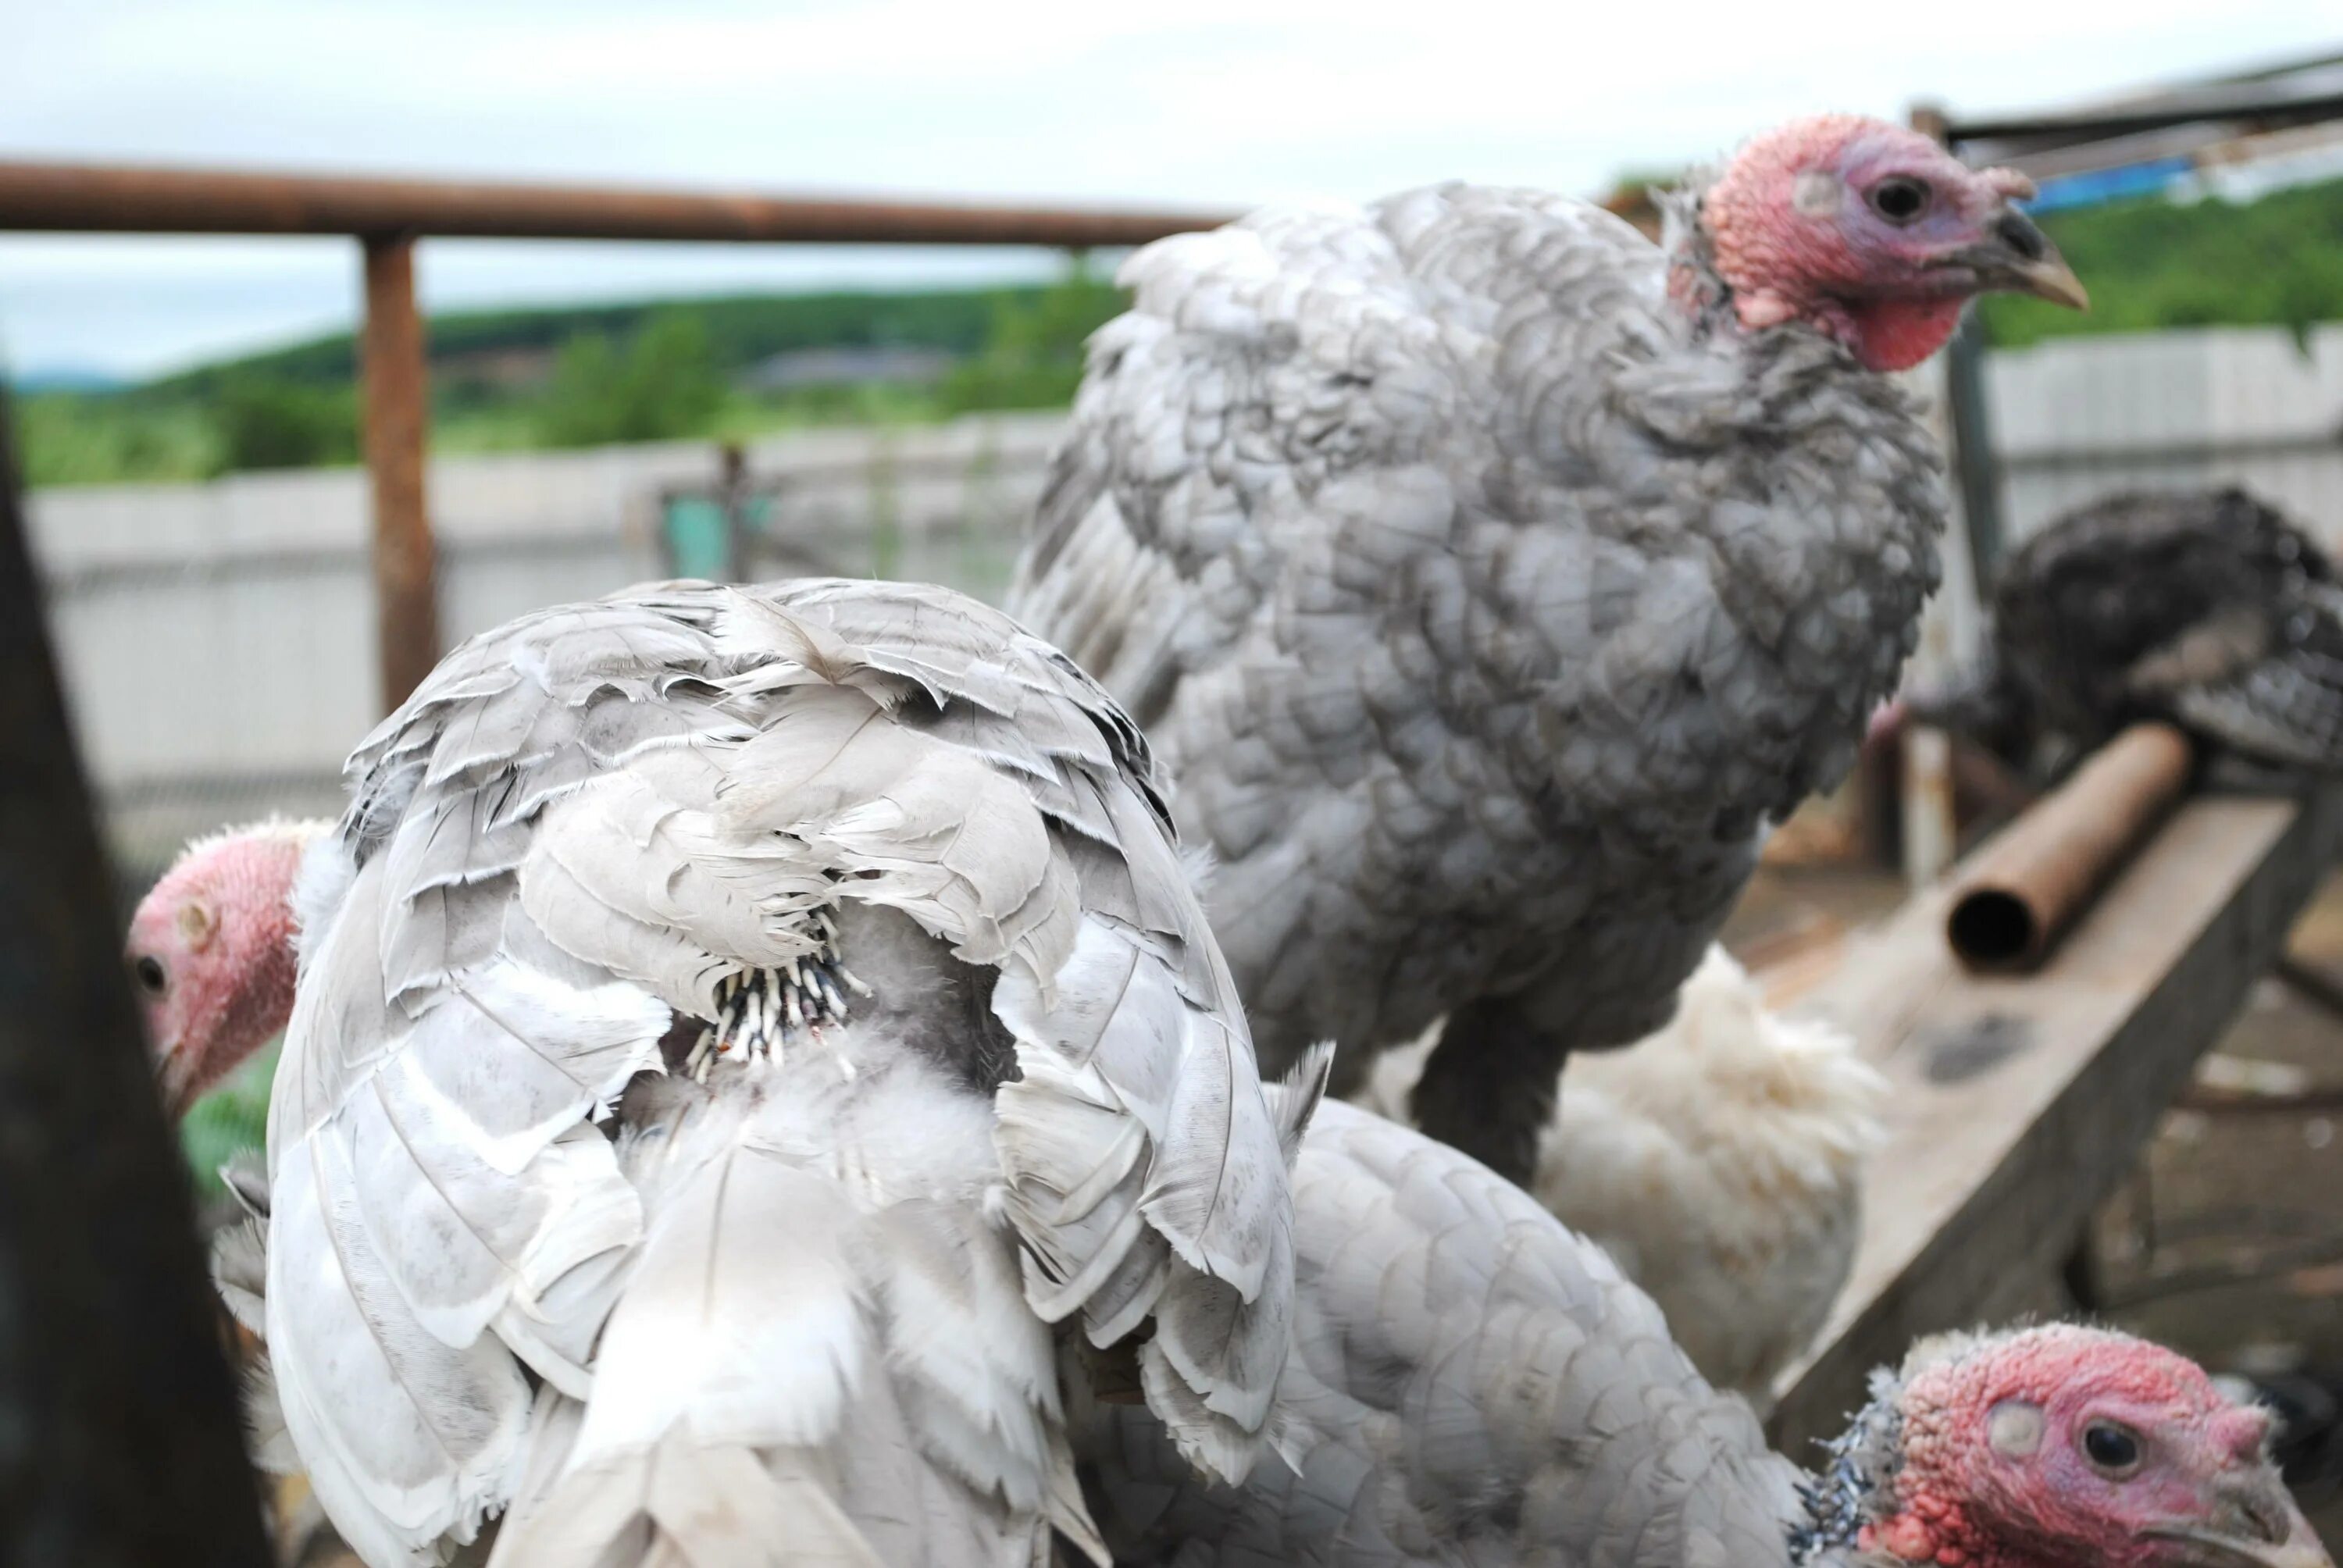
<point x="1472" y="1384"/>
<point x="1484" y="600"/>
<point x="2208" y="610"/>
<point x="884" y="885"/>
<point x="1718" y="1161"/>
<point x="822" y="1352"/>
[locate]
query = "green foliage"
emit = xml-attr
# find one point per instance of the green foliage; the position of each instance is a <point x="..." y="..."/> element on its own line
<point x="742" y="330"/>
<point x="2274" y="262"/>
<point x="267" y="422"/>
<point x="78" y="438"/>
<point x="617" y="373"/>
<point x="662" y="385"/>
<point x="231" y="1119"/>
<point x="1033" y="355"/>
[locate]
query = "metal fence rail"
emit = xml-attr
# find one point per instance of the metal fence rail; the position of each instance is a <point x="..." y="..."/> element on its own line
<point x="387" y="215"/>
<point x="100" y="198"/>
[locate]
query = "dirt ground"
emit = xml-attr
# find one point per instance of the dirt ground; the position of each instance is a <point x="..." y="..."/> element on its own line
<point x="2227" y="1239"/>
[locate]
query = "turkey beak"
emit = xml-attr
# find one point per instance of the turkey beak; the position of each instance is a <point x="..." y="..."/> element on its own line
<point x="2019" y="257"/>
<point x="2261" y="1528"/>
<point x="172" y="1074"/>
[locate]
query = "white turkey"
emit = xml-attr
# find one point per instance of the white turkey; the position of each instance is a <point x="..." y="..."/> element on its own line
<point x="1489" y="578"/>
<point x="743" y="1036"/>
<point x="211" y="953"/>
<point x="1718" y="1161"/>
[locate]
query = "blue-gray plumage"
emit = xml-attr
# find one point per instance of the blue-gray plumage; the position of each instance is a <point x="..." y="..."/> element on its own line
<point x="1489" y="578"/>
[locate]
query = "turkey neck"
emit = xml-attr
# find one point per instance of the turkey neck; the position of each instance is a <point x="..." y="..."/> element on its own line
<point x="1855" y="1486"/>
<point x="1761" y="517"/>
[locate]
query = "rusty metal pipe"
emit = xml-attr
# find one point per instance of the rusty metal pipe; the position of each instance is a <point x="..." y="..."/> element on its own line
<point x="99" y="198"/>
<point x="2017" y="896"/>
<point x="395" y="376"/>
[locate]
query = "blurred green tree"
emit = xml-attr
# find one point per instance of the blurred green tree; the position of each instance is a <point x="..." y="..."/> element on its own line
<point x="2275" y="261"/>
<point x="266" y="422"/>
<point x="1032" y="355"/>
<point x="662" y="386"/>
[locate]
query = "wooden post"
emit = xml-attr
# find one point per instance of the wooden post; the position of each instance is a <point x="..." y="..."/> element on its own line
<point x="119" y="1440"/>
<point x="1929" y="829"/>
<point x="398" y="427"/>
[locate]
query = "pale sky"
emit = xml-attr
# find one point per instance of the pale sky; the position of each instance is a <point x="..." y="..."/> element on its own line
<point x="1217" y="103"/>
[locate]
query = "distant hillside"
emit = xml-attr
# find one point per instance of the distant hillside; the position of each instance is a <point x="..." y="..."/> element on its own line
<point x="742" y="329"/>
<point x="589" y="375"/>
<point x="2274" y="262"/>
<point x="522" y="379"/>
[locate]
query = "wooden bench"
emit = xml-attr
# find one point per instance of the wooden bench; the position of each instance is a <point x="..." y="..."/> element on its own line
<point x="2020" y="1101"/>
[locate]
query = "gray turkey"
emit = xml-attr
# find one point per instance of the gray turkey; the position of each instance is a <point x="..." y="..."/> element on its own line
<point x="1489" y="578"/>
<point x="740" y="1034"/>
<point x="1472" y="1384"/>
<point x="2206" y="609"/>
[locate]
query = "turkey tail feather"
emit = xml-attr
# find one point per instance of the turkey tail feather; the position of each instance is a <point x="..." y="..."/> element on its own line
<point x="803" y="1371"/>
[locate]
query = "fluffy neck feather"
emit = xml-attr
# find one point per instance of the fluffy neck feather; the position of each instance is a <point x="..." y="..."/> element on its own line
<point x="1857" y="1488"/>
<point x="1693" y="283"/>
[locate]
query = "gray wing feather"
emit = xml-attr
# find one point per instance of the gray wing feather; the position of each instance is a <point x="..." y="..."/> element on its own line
<point x="1468" y="1382"/>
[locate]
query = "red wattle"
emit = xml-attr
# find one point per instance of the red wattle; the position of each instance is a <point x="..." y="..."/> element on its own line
<point x="1897" y="334"/>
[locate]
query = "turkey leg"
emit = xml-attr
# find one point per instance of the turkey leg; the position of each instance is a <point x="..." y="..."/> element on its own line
<point x="1488" y="1087"/>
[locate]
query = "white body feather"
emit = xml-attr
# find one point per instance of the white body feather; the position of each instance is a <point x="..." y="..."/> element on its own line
<point x="586" y="827"/>
<point x="824" y="1354"/>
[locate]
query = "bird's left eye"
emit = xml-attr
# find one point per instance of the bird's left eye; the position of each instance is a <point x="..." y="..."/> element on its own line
<point x="2112" y="1449"/>
<point x="1900" y="199"/>
<point x="151" y="977"/>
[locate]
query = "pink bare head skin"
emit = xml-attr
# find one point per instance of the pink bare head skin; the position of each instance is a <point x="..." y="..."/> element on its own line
<point x="2079" y="1447"/>
<point x="1873" y="234"/>
<point x="211" y="954"/>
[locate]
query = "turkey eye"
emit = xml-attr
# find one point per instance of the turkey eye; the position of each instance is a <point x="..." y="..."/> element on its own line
<point x="151" y="979"/>
<point x="2111" y="1448"/>
<point x="1899" y="200"/>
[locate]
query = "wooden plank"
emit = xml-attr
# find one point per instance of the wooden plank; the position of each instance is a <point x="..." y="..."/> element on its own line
<point x="119" y="1440"/>
<point x="2019" y="1103"/>
<point x="397" y="428"/>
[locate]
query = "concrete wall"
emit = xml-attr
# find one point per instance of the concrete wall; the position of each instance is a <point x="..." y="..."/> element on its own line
<point x="2172" y="411"/>
<point x="218" y="640"/>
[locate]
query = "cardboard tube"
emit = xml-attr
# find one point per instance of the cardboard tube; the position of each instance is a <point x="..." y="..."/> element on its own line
<point x="2017" y="896"/>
